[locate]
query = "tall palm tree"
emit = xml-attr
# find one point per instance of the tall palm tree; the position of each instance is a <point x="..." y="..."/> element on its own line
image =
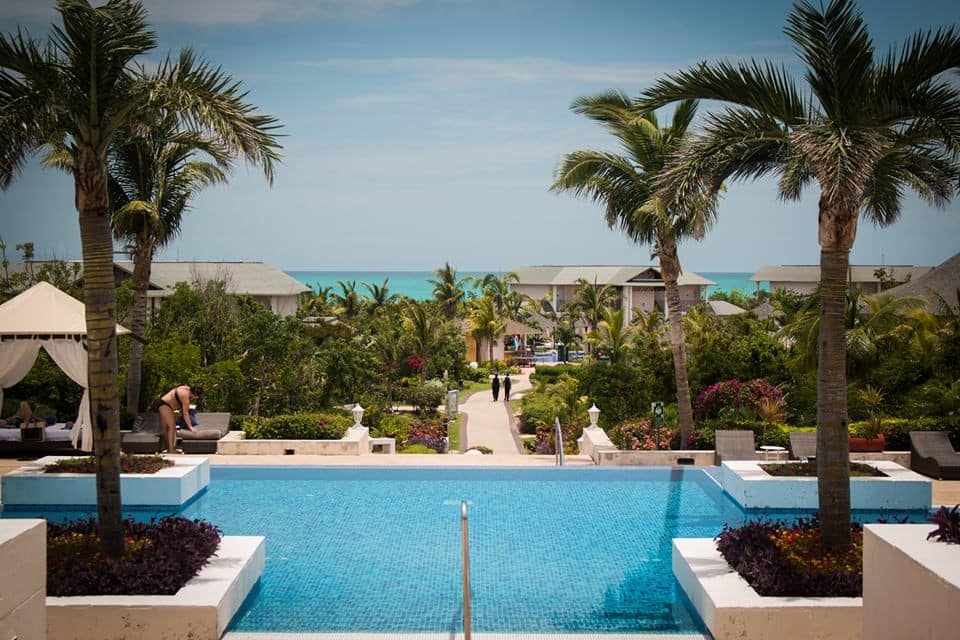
<point x="380" y="295"/>
<point x="864" y="129"/>
<point x="422" y="331"/>
<point x="83" y="87"/>
<point x="155" y="171"/>
<point x="449" y="290"/>
<point x="485" y="323"/>
<point x="349" y="301"/>
<point x="626" y="184"/>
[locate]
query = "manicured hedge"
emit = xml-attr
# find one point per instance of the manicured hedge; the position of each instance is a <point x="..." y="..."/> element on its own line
<point x="550" y="374"/>
<point x="299" y="426"/>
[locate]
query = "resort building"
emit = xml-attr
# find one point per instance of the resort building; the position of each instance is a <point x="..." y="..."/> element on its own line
<point x="264" y="283"/>
<point x="639" y="288"/>
<point x="805" y="278"/>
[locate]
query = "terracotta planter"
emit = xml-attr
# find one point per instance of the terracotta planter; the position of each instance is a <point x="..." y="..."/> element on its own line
<point x="864" y="445"/>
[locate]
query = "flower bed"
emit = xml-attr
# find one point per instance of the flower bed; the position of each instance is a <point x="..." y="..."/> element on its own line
<point x="809" y="469"/>
<point x="778" y="559"/>
<point x="160" y="557"/>
<point x="128" y="464"/>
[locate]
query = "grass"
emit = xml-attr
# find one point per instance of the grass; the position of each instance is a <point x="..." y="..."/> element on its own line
<point x="470" y="388"/>
<point x="453" y="433"/>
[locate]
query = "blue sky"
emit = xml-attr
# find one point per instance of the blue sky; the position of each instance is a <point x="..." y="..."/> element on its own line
<point x="419" y="132"/>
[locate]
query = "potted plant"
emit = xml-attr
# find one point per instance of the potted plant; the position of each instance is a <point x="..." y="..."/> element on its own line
<point x="872" y="433"/>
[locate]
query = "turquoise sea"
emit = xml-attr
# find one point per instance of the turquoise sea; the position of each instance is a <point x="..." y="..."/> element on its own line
<point x="414" y="284"/>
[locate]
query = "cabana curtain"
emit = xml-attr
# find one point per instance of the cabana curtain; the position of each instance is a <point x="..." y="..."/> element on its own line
<point x="71" y="356"/>
<point x="16" y="360"/>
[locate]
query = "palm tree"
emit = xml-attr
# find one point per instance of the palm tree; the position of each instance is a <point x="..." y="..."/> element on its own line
<point x="485" y="323"/>
<point x="497" y="287"/>
<point x="614" y="336"/>
<point x="422" y="331"/>
<point x="154" y="174"/>
<point x="590" y="299"/>
<point x="626" y="185"/>
<point x="380" y="295"/>
<point x="349" y="301"/>
<point x="449" y="290"/>
<point x="83" y="88"/>
<point x="864" y="130"/>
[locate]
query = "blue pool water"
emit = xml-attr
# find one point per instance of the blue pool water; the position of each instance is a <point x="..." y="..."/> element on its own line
<point x="378" y="550"/>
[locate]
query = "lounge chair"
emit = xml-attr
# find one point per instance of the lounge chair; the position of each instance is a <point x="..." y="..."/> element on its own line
<point x="145" y="437"/>
<point x="210" y="428"/>
<point x="735" y="445"/>
<point x="803" y="445"/>
<point x="932" y="455"/>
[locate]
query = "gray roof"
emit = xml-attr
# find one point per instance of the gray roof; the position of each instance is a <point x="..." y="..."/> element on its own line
<point x="724" y="308"/>
<point x="250" y="278"/>
<point x="943" y="281"/>
<point x="636" y="276"/>
<point x="811" y="273"/>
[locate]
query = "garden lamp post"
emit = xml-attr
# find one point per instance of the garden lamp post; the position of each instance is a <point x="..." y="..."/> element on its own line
<point x="357" y="416"/>
<point x="594" y="414"/>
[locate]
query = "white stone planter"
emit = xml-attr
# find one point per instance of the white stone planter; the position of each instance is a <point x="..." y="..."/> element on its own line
<point x="925" y="602"/>
<point x="731" y="609"/>
<point x="356" y="442"/>
<point x="201" y="610"/>
<point x="173" y="486"/>
<point x="23" y="579"/>
<point x="596" y="444"/>
<point x="754" y="488"/>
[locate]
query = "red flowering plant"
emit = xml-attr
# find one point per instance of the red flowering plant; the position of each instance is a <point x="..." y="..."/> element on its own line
<point x="415" y="362"/>
<point x="640" y="435"/>
<point x="735" y="397"/>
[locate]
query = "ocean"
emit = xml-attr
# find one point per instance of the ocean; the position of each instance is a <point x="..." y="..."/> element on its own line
<point x="414" y="284"/>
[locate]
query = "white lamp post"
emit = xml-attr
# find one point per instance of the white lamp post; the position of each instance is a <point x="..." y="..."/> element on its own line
<point x="594" y="413"/>
<point x="357" y="416"/>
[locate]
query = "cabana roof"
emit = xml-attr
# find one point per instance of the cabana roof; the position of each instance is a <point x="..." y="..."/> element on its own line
<point x="44" y="310"/>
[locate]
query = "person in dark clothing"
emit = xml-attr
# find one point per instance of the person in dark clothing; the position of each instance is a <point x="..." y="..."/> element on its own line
<point x="506" y="388"/>
<point x="495" y="386"/>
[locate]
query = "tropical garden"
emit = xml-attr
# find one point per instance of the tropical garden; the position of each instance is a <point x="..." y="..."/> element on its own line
<point x="861" y="128"/>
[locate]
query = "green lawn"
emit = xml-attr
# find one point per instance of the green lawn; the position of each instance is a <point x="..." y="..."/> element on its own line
<point x="453" y="433"/>
<point x="470" y="388"/>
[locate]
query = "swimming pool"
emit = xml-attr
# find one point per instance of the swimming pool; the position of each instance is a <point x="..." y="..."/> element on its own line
<point x="378" y="550"/>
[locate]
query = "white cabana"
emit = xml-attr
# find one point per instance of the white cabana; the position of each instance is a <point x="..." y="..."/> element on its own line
<point x="44" y="316"/>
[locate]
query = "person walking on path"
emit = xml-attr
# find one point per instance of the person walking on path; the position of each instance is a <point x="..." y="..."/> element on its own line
<point x="506" y="388"/>
<point x="495" y="387"/>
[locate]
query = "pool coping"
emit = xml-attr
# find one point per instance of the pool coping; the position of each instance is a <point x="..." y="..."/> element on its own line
<point x="491" y="635"/>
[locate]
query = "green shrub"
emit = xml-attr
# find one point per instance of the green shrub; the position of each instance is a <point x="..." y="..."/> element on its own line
<point x="393" y="426"/>
<point x="299" y="426"/>
<point x="482" y="449"/>
<point x="621" y="392"/>
<point x="223" y="387"/>
<point x="764" y="433"/>
<point x="418" y="448"/>
<point x="239" y="421"/>
<point x="551" y="373"/>
<point x="536" y="409"/>
<point x="897" y="430"/>
<point x="425" y="398"/>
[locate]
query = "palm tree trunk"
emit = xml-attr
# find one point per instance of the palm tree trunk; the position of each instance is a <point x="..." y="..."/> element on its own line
<point x="837" y="231"/>
<point x="670" y="270"/>
<point x="101" y="317"/>
<point x="138" y="323"/>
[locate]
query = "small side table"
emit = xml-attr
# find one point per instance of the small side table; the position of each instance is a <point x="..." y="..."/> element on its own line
<point x="771" y="452"/>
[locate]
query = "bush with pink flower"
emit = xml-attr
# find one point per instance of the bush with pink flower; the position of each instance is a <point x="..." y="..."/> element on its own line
<point x="734" y="399"/>
<point x="640" y="435"/>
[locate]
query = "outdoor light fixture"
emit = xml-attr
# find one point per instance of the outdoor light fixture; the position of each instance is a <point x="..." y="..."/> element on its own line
<point x="594" y="413"/>
<point x="357" y="416"/>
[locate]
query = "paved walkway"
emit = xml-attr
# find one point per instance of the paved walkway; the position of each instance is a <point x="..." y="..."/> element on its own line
<point x="489" y="422"/>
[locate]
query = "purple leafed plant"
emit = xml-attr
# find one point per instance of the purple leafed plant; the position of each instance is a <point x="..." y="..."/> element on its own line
<point x="159" y="558"/>
<point x="430" y="434"/>
<point x="948" y="525"/>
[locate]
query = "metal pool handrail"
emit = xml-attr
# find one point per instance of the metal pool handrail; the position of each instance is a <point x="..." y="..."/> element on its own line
<point x="465" y="546"/>
<point x="558" y="441"/>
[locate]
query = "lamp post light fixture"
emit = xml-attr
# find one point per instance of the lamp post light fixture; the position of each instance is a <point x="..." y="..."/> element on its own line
<point x="357" y="416"/>
<point x="594" y="413"/>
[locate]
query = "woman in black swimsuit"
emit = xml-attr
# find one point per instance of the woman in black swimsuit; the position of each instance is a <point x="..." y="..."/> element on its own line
<point x="177" y="399"/>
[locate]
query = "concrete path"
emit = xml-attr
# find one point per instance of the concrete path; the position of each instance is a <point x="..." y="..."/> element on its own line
<point x="489" y="422"/>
